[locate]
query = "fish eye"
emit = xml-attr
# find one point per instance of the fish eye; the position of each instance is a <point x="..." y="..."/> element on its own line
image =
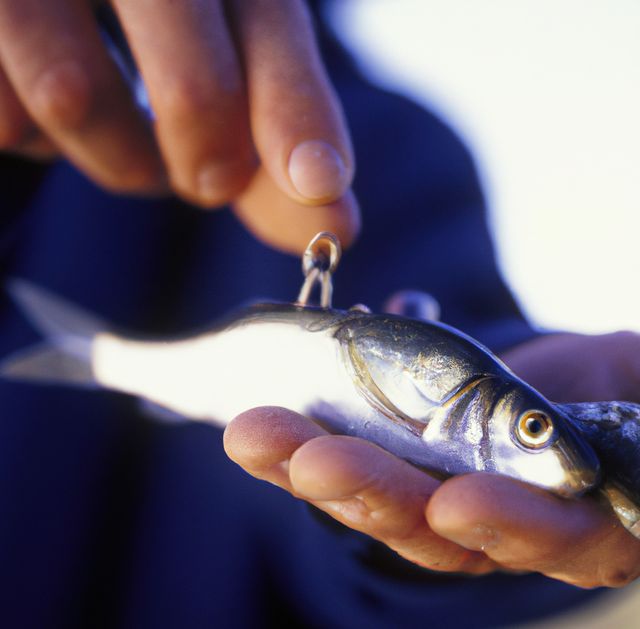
<point x="534" y="429"/>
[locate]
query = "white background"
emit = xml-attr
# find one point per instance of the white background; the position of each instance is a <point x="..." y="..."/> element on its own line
<point x="546" y="93"/>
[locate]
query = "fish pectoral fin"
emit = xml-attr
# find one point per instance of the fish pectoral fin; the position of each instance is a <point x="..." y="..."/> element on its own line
<point x="368" y="386"/>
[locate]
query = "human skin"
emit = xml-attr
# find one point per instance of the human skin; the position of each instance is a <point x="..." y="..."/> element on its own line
<point x="244" y="112"/>
<point x="476" y="523"/>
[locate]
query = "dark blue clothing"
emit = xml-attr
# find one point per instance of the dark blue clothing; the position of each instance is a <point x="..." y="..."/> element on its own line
<point x="109" y="519"/>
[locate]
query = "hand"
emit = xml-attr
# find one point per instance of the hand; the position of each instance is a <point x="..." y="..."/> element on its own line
<point x="580" y="368"/>
<point x="244" y="110"/>
<point x="474" y="523"/>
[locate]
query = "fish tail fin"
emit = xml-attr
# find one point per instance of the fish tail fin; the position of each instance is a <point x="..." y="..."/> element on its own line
<point x="65" y="354"/>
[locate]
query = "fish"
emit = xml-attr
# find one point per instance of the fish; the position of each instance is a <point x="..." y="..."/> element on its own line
<point x="422" y="390"/>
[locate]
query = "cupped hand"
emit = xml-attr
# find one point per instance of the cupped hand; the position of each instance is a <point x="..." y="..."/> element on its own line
<point x="244" y="112"/>
<point x="474" y="524"/>
<point x="567" y="367"/>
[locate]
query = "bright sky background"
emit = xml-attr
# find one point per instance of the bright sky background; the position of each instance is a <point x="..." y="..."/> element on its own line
<point x="547" y="95"/>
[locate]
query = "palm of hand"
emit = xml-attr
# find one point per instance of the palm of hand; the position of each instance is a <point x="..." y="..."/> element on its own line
<point x="475" y="523"/>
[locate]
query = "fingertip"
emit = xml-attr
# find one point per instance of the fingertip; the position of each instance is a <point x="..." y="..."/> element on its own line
<point x="285" y="224"/>
<point x="264" y="436"/>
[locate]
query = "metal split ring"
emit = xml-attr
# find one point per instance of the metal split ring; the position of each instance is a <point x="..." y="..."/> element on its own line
<point x="319" y="261"/>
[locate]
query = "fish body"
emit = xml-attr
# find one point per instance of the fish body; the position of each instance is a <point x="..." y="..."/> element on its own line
<point x="421" y="390"/>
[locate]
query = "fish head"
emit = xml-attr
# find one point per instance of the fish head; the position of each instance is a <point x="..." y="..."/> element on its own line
<point x="533" y="440"/>
<point x="460" y="409"/>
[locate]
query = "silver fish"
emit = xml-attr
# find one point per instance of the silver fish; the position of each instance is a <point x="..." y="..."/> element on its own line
<point x="421" y="390"/>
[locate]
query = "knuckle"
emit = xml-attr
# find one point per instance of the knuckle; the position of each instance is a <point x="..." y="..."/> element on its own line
<point x="184" y="97"/>
<point x="62" y="95"/>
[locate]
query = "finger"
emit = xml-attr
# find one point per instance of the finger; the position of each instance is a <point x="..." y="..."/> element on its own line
<point x="335" y="474"/>
<point x="527" y="528"/>
<point x="263" y="439"/>
<point x="297" y="123"/>
<point x="376" y="493"/>
<point x="193" y="77"/>
<point x="570" y="367"/>
<point x="56" y="62"/>
<point x="624" y="349"/>
<point x="282" y="222"/>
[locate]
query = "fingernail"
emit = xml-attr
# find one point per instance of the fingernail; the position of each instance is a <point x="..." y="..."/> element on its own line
<point x="317" y="171"/>
<point x="479" y="537"/>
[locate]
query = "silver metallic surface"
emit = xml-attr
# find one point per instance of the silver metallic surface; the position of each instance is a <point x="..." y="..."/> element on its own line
<point x="319" y="261"/>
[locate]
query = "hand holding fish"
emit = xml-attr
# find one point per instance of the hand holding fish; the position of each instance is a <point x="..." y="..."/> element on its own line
<point x="243" y="110"/>
<point x="398" y="391"/>
<point x="475" y="523"/>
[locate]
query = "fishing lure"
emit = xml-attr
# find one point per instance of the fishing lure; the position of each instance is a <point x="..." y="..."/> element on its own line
<point x="420" y="389"/>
